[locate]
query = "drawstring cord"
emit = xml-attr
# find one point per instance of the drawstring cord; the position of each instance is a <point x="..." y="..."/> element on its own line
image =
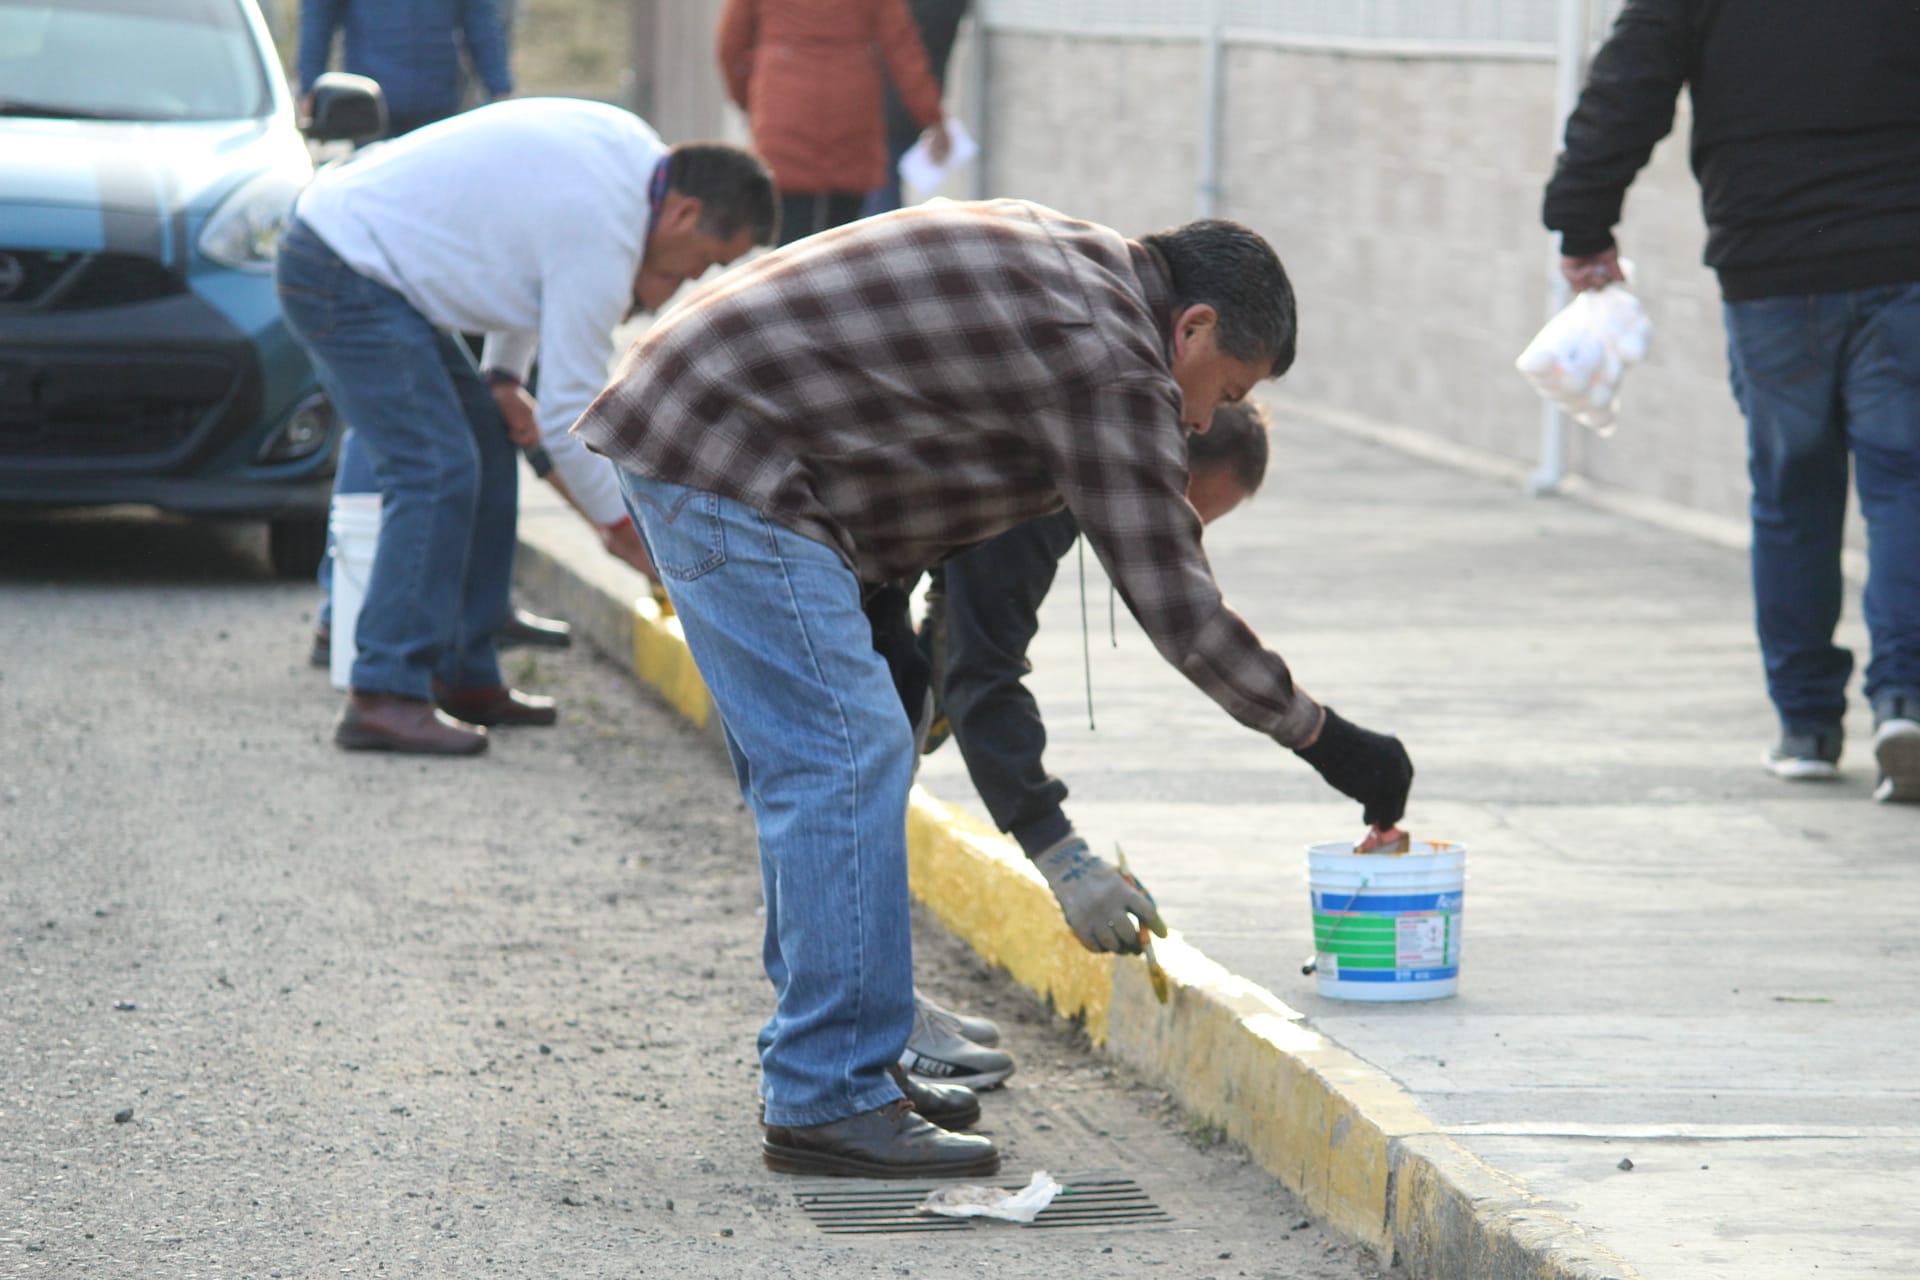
<point x="1086" y="641"/>
<point x="1086" y="638"/>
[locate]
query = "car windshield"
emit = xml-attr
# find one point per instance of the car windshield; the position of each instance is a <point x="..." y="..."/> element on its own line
<point x="130" y="60"/>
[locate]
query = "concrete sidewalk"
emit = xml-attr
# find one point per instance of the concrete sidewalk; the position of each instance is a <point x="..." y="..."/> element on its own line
<point x="1672" y="959"/>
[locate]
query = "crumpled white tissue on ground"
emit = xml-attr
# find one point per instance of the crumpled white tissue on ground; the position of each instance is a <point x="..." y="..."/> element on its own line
<point x="1579" y="358"/>
<point x="968" y="1201"/>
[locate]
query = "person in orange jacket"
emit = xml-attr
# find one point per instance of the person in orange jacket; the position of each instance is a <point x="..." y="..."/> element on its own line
<point x="806" y="74"/>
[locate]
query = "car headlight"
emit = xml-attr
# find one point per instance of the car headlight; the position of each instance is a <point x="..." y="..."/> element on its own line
<point x="244" y="231"/>
<point x="302" y="434"/>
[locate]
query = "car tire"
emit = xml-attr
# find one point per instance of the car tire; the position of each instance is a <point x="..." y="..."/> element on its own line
<point x="296" y="545"/>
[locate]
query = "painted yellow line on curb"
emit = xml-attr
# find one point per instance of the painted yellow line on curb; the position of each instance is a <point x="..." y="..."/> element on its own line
<point x="1312" y="1114"/>
<point x="1331" y="1127"/>
<point x="661" y="658"/>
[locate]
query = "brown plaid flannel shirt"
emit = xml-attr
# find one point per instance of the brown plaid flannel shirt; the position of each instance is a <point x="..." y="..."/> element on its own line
<point x="908" y="385"/>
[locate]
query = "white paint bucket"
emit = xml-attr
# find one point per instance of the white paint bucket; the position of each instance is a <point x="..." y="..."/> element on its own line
<point x="1386" y="926"/>
<point x="354" y="522"/>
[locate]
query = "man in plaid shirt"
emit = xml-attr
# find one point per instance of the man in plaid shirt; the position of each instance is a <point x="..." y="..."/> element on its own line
<point x="854" y="408"/>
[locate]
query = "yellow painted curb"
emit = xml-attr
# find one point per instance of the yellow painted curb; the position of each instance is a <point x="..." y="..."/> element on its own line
<point x="984" y="890"/>
<point x="1332" y="1128"/>
<point x="661" y="658"/>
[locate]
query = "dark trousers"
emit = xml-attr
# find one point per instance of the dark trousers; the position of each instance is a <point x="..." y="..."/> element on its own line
<point x="985" y="604"/>
<point x="802" y="213"/>
<point x="991" y="597"/>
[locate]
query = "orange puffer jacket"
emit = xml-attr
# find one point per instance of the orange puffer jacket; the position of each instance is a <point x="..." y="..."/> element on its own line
<point x="808" y="75"/>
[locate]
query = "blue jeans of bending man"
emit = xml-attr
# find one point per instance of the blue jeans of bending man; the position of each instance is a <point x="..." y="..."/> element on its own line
<point x="441" y="461"/>
<point x="824" y="757"/>
<point x="1822" y="378"/>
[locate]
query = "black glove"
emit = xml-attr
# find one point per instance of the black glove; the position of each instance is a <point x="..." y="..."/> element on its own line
<point x="1372" y="768"/>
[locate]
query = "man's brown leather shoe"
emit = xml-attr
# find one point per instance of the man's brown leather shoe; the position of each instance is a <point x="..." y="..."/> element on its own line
<point x="891" y="1142"/>
<point x="389" y="722"/>
<point x="498" y="705"/>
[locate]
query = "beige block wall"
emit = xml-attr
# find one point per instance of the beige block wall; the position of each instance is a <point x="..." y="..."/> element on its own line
<point x="1403" y="194"/>
<point x="689" y="100"/>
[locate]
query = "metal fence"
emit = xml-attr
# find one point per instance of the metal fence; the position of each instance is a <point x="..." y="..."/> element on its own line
<point x="1510" y="28"/>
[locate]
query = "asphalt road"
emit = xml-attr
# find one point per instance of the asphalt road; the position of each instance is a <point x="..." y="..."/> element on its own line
<point x="270" y="1009"/>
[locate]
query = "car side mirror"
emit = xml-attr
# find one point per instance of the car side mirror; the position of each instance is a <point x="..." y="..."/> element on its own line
<point x="347" y="108"/>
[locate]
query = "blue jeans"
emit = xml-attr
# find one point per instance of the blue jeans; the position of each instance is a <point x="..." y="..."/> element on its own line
<point x="441" y="462"/>
<point x="1819" y="378"/>
<point x="824" y="757"/>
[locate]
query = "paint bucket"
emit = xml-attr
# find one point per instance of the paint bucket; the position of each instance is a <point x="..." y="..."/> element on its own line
<point x="1386" y="926"/>
<point x="354" y="523"/>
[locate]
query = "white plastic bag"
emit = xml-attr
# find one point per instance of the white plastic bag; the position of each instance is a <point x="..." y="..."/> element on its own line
<point x="1023" y="1205"/>
<point x="1578" y="359"/>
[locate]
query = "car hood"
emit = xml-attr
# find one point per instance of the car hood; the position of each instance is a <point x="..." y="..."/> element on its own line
<point x="135" y="178"/>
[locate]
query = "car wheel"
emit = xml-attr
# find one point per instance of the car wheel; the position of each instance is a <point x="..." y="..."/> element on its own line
<point x="295" y="546"/>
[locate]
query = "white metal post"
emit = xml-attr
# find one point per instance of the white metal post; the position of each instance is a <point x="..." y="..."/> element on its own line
<point x="1570" y="69"/>
<point x="1212" y="90"/>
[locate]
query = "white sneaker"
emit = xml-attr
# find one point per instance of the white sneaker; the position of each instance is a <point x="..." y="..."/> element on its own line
<point x="1896" y="749"/>
<point x="940" y="1055"/>
<point x="1805" y="757"/>
<point x="979" y="1030"/>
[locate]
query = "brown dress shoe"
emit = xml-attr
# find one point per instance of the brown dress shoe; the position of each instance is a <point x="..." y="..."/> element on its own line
<point x="498" y="705"/>
<point x="389" y="722"/>
<point x="891" y="1142"/>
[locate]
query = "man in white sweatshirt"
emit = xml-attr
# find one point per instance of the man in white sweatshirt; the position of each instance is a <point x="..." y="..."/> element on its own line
<point x="542" y="222"/>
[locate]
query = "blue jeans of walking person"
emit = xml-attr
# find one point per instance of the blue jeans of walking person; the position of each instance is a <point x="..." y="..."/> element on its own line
<point x="1821" y="379"/>
<point x="441" y="461"/>
<point x="824" y="757"/>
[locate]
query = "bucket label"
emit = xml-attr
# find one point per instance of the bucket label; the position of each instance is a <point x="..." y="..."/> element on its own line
<point x="1420" y="941"/>
<point x="1394" y="946"/>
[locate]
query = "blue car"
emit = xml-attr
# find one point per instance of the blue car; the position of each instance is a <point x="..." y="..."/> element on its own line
<point x="149" y="155"/>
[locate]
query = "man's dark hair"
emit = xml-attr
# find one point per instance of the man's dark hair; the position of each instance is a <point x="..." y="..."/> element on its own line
<point x="1230" y="268"/>
<point x="1236" y="440"/>
<point x="734" y="188"/>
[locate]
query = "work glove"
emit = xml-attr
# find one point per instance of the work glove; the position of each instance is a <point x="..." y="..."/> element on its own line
<point x="1097" y="899"/>
<point x="1372" y="768"/>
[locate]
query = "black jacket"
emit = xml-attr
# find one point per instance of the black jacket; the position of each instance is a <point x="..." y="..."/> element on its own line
<point x="1806" y="137"/>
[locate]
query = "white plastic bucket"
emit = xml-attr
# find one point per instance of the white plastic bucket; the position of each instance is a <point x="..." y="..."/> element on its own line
<point x="354" y="523"/>
<point x="1386" y="926"/>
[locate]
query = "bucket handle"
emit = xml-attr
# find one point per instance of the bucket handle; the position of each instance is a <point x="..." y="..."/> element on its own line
<point x="1347" y="912"/>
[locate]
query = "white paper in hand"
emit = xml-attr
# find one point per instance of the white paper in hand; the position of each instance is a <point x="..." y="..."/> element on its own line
<point x="919" y="170"/>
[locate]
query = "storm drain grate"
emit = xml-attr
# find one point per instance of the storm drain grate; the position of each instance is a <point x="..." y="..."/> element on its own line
<point x="1089" y="1200"/>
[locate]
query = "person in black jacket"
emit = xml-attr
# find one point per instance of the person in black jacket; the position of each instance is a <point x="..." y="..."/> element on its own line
<point x="1806" y="142"/>
<point x="961" y="677"/>
<point x="983" y="612"/>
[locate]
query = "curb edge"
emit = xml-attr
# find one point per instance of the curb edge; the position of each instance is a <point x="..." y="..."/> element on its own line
<point x="1334" y="1129"/>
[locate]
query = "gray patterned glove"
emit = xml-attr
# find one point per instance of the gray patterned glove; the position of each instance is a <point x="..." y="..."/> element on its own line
<point x="1099" y="903"/>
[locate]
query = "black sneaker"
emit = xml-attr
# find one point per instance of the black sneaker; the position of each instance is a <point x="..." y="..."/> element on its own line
<point x="1896" y="749"/>
<point x="951" y="1106"/>
<point x="530" y="629"/>
<point x="1805" y="757"/>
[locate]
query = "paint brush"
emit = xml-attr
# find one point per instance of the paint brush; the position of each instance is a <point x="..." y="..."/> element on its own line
<point x="1162" y="985"/>
<point x="1389" y="839"/>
